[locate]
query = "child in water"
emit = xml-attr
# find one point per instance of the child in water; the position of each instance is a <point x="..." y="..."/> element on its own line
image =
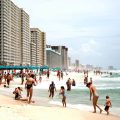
<point x="62" y="92"/>
<point x="108" y="104"/>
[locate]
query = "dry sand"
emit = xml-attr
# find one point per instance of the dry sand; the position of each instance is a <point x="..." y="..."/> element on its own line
<point x="11" y="109"/>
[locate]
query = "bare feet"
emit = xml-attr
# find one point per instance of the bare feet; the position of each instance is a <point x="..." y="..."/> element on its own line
<point x="94" y="111"/>
<point x="32" y="101"/>
<point x="101" y="111"/>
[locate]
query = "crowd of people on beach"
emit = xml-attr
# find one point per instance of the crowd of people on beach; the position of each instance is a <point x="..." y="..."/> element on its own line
<point x="29" y="79"/>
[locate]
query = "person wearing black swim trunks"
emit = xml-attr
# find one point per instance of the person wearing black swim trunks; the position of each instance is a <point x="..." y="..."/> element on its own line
<point x="52" y="88"/>
<point x="108" y="104"/>
<point x="29" y="86"/>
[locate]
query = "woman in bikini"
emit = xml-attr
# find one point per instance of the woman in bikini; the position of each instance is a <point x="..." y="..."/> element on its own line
<point x="95" y="96"/>
<point x="29" y="86"/>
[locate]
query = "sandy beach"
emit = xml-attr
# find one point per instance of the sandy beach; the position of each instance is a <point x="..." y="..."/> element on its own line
<point x="11" y="109"/>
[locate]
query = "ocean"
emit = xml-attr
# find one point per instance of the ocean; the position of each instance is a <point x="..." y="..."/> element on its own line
<point x="78" y="97"/>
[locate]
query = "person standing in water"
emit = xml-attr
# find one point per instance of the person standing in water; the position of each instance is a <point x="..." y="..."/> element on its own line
<point x="62" y="92"/>
<point x="108" y="104"/>
<point x="29" y="86"/>
<point x="52" y="89"/>
<point x="93" y="93"/>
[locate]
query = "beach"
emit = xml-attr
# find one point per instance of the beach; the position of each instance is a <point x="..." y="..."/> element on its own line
<point x="46" y="109"/>
<point x="11" y="109"/>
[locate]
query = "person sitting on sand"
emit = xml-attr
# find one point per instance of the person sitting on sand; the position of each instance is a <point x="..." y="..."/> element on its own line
<point x="17" y="93"/>
<point x="95" y="96"/>
<point x="108" y="104"/>
<point x="62" y="92"/>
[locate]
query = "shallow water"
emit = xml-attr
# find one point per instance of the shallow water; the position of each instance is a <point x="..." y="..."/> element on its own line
<point x="78" y="97"/>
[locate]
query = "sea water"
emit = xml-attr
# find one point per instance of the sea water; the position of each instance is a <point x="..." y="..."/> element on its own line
<point x="78" y="97"/>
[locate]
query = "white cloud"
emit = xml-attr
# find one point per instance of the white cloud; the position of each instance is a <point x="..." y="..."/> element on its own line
<point x="90" y="48"/>
<point x="78" y="24"/>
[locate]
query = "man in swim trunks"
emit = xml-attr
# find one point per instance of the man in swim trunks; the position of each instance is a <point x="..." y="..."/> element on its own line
<point x="95" y="96"/>
<point x="52" y="89"/>
<point x="29" y="86"/>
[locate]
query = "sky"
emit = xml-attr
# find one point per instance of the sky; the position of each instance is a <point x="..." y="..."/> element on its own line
<point x="90" y="29"/>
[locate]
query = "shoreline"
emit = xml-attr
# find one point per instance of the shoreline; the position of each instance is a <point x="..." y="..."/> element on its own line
<point x="26" y="111"/>
<point x="53" y="109"/>
<point x="48" y="102"/>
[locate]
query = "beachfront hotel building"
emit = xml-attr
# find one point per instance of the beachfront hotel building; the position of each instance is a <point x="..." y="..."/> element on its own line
<point x="69" y="61"/>
<point x="63" y="50"/>
<point x="53" y="57"/>
<point x="38" y="47"/>
<point x="57" y="56"/>
<point x="14" y="35"/>
<point x="43" y="48"/>
<point x="25" y="38"/>
<point x="77" y="63"/>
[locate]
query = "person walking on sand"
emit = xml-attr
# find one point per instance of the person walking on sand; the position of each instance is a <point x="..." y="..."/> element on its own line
<point x="5" y="77"/>
<point x="1" y="78"/>
<point x="9" y="78"/>
<point x="40" y="78"/>
<point x="52" y="89"/>
<point x="62" y="75"/>
<point x="48" y="74"/>
<point x="108" y="104"/>
<point x="95" y="96"/>
<point x="58" y="74"/>
<point x="29" y="86"/>
<point x="62" y="92"/>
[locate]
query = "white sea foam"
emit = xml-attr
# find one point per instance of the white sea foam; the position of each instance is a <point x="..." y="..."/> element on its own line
<point x="77" y="106"/>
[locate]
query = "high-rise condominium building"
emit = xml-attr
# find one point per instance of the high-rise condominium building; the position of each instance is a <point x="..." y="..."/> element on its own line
<point x="77" y="64"/>
<point x="43" y="48"/>
<point x="38" y="44"/>
<point x="25" y="38"/>
<point x="69" y="61"/>
<point x="64" y="55"/>
<point x="53" y="57"/>
<point x="14" y="34"/>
